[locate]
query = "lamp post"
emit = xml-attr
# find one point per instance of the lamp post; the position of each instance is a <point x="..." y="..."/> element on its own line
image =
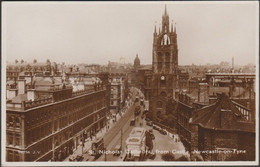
<point x="82" y="140"/>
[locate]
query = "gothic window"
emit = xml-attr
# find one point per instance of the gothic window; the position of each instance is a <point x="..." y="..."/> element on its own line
<point x="167" y="57"/>
<point x="165" y="40"/>
<point x="159" y="59"/>
<point x="10" y="121"/>
<point x="163" y="94"/>
<point x="10" y="138"/>
<point x="10" y="155"/>
<point x="158" y="104"/>
<point x="17" y="139"/>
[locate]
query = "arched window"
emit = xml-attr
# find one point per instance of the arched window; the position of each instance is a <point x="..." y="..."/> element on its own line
<point x="159" y="59"/>
<point x="17" y="122"/>
<point x="165" y="40"/>
<point x="158" y="104"/>
<point x="163" y="94"/>
<point x="10" y="121"/>
<point x="167" y="57"/>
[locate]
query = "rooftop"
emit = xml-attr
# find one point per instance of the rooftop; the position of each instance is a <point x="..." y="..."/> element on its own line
<point x="212" y="116"/>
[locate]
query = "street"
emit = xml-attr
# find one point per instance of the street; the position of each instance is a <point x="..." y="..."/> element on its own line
<point x="119" y="132"/>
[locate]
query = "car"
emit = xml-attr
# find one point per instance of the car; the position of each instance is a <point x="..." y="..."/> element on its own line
<point x="79" y="157"/>
<point x="132" y="122"/>
<point x="162" y="131"/>
<point x="152" y="155"/>
<point x="156" y="128"/>
<point x="117" y="150"/>
<point x="149" y="123"/>
<point x="147" y="119"/>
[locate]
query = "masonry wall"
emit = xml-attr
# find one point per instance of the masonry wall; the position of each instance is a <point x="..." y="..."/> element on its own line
<point x="220" y="141"/>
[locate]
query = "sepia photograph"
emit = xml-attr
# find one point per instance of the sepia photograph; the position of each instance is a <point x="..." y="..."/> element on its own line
<point x="129" y="83"/>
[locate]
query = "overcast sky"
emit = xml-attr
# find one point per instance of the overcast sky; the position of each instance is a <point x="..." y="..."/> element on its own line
<point x="96" y="32"/>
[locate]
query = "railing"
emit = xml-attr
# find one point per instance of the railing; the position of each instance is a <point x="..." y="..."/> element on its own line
<point x="81" y="92"/>
<point x="246" y="112"/>
<point x="57" y="88"/>
<point x="35" y="103"/>
<point x="90" y="90"/>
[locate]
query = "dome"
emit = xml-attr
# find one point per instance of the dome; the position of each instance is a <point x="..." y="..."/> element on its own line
<point x="137" y="61"/>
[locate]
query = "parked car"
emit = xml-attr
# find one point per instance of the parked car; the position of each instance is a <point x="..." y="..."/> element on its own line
<point x="132" y="122"/>
<point x="79" y="157"/>
<point x="149" y="123"/>
<point x="162" y="131"/>
<point x="152" y="155"/>
<point x="117" y="150"/>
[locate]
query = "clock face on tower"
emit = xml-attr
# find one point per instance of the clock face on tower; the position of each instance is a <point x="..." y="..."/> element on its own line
<point x="162" y="77"/>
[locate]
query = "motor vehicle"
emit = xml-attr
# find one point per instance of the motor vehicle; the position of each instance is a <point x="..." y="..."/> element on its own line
<point x="149" y="123"/>
<point x="157" y="128"/>
<point x="152" y="155"/>
<point x="72" y="158"/>
<point x="117" y="150"/>
<point x="79" y="157"/>
<point x="97" y="147"/>
<point x="162" y="131"/>
<point x="137" y="110"/>
<point x="132" y="122"/>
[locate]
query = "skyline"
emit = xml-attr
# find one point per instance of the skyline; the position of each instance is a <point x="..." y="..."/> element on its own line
<point x="86" y="32"/>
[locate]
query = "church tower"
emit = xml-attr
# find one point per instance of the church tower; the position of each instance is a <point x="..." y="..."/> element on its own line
<point x="165" y="56"/>
<point x="164" y="66"/>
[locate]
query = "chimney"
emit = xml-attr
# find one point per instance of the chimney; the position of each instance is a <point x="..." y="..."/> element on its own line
<point x="21" y="86"/>
<point x="11" y="93"/>
<point x="31" y="94"/>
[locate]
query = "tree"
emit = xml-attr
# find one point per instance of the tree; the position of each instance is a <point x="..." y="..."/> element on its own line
<point x="22" y="61"/>
<point x="148" y="140"/>
<point x="34" y="61"/>
<point x="16" y="61"/>
<point x="183" y="158"/>
<point x="169" y="156"/>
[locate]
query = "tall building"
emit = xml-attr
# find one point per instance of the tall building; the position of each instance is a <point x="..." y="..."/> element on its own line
<point x="164" y="66"/>
<point x="47" y="120"/>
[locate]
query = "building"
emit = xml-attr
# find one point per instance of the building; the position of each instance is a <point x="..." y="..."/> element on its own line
<point x="136" y="63"/>
<point x="222" y="128"/>
<point x="160" y="83"/>
<point x="119" y="91"/>
<point x="47" y="120"/>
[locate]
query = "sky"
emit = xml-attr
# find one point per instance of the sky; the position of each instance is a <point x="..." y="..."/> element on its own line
<point x="98" y="32"/>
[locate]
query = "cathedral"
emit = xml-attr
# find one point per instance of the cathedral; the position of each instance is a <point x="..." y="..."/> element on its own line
<point x="160" y="82"/>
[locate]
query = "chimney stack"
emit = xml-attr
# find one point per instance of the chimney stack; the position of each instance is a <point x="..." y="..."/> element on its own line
<point x="11" y="93"/>
<point x="31" y="94"/>
<point x="21" y="86"/>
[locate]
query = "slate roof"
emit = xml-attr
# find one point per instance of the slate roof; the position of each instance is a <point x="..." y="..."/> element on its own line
<point x="19" y="98"/>
<point x="210" y="116"/>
